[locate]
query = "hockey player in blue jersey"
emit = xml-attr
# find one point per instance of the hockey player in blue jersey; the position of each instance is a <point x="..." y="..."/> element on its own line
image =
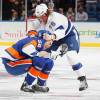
<point x="63" y="32"/>
<point x="27" y="55"/>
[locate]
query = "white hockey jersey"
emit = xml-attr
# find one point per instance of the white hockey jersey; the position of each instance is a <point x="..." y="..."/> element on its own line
<point x="57" y="24"/>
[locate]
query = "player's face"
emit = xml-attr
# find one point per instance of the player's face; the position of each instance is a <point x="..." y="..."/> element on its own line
<point x="47" y="37"/>
<point x="48" y="44"/>
<point x="44" y="18"/>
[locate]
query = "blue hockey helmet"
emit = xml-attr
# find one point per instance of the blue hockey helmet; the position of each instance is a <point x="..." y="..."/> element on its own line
<point x="42" y="32"/>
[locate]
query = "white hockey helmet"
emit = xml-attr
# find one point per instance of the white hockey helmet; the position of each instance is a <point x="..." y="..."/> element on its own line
<point x="41" y="9"/>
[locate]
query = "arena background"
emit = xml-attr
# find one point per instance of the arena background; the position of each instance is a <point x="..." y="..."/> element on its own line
<point x="13" y="15"/>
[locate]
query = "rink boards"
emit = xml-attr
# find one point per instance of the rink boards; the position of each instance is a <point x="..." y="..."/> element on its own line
<point x="82" y="44"/>
<point x="89" y="33"/>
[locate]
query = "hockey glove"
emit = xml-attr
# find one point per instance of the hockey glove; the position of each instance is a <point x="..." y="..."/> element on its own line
<point x="55" y="54"/>
<point x="63" y="50"/>
<point x="60" y="52"/>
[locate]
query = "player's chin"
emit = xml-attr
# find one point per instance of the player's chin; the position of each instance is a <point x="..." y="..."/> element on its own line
<point x="48" y="46"/>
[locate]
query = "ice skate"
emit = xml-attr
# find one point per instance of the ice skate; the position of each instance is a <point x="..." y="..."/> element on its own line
<point x="26" y="88"/>
<point x="83" y="83"/>
<point x="38" y="88"/>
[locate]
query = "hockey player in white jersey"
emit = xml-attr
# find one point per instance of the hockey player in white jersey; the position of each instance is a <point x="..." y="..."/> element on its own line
<point x="63" y="32"/>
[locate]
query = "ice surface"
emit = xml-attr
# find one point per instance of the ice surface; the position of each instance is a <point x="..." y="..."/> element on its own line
<point x="62" y="82"/>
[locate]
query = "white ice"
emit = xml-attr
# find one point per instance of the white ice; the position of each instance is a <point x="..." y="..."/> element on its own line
<point x="62" y="82"/>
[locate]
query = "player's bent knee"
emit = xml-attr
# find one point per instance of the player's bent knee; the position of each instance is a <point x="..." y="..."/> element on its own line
<point x="48" y="66"/>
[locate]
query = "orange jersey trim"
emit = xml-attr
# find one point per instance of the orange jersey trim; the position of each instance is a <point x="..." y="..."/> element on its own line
<point x="14" y="53"/>
<point x="43" y="75"/>
<point x="34" y="43"/>
<point x="20" y="62"/>
<point x="32" y="32"/>
<point x="33" y="72"/>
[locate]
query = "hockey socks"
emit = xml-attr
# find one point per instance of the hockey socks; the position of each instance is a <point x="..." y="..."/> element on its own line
<point x="31" y="75"/>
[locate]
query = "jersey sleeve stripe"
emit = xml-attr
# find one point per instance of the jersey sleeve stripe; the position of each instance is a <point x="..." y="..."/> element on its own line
<point x="15" y="54"/>
<point x="34" y="43"/>
<point x="20" y="62"/>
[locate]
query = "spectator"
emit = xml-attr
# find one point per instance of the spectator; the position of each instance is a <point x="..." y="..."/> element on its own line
<point x="14" y="16"/>
<point x="51" y="7"/>
<point x="70" y="14"/>
<point x="18" y="6"/>
<point x="31" y="6"/>
<point x="22" y="17"/>
<point x="9" y="5"/>
<point x="81" y="14"/>
<point x="61" y="11"/>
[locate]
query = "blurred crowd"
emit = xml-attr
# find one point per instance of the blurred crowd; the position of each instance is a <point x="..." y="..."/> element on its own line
<point x="13" y="10"/>
<point x="75" y="10"/>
